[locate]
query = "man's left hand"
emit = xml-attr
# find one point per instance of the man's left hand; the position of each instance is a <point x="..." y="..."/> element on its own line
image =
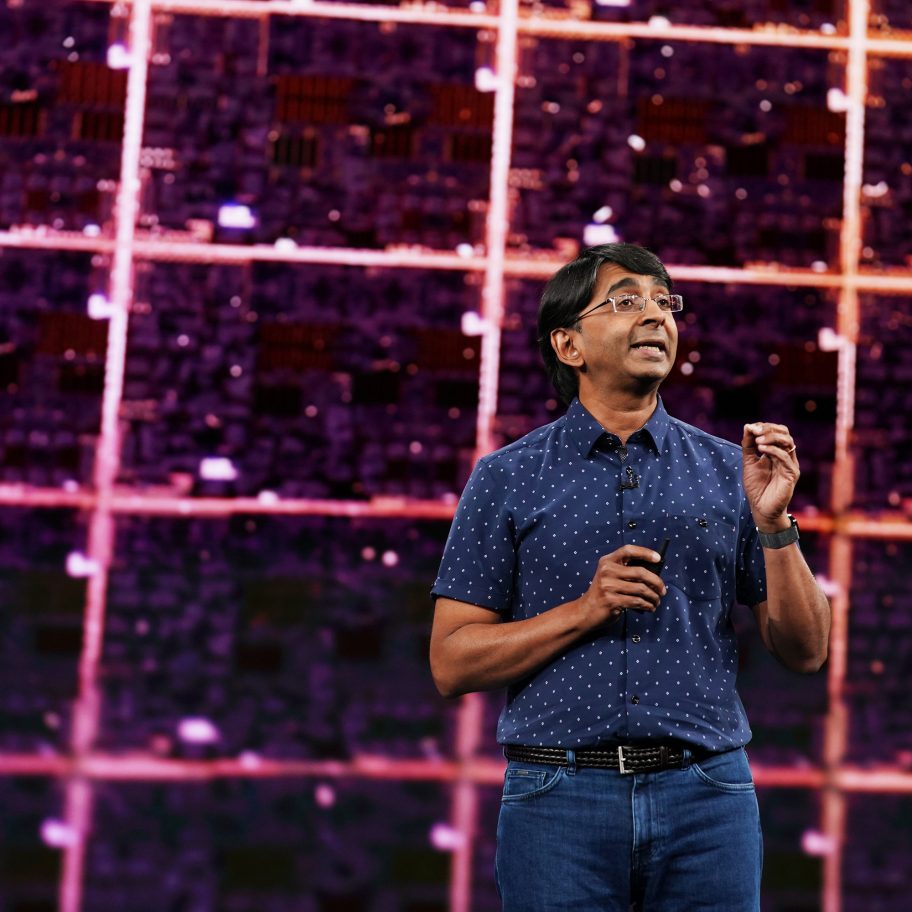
<point x="770" y="472"/>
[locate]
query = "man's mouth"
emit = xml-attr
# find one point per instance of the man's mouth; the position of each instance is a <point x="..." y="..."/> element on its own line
<point x="651" y="346"/>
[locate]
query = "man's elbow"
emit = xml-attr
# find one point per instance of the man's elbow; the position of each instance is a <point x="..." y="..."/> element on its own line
<point x="805" y="664"/>
<point x="445" y="679"/>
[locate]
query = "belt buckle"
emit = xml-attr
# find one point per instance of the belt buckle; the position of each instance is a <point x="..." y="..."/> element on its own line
<point x="621" y="768"/>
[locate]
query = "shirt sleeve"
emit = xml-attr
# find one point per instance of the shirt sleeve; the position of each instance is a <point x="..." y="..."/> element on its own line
<point x="479" y="557"/>
<point x="751" y="567"/>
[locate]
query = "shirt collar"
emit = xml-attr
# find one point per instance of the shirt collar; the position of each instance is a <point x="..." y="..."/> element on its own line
<point x="586" y="431"/>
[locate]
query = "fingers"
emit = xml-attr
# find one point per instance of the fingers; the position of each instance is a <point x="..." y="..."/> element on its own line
<point x="767" y="439"/>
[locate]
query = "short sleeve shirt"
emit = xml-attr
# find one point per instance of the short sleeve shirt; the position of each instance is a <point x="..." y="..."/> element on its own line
<point x="531" y="525"/>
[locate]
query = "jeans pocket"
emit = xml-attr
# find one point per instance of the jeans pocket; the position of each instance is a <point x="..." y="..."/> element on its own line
<point x="728" y="772"/>
<point x="522" y="783"/>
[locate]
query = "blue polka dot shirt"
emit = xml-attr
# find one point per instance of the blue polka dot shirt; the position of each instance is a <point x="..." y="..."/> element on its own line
<point x="533" y="521"/>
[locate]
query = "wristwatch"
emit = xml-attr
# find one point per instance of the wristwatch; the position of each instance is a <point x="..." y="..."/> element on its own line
<point x="782" y="538"/>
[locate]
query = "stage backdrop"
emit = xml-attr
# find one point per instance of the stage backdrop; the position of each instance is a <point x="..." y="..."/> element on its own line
<point x="268" y="279"/>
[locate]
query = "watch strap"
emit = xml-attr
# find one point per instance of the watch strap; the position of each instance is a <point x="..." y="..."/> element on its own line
<point x="782" y="538"/>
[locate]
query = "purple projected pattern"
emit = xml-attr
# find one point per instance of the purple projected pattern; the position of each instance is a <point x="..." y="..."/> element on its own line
<point x="263" y="639"/>
<point x="42" y="589"/>
<point x="882" y="435"/>
<point x="283" y="637"/>
<point x="31" y="836"/>
<point x="51" y="367"/>
<point x="309" y="381"/>
<point x="331" y="144"/>
<point x="260" y="846"/>
<point x="743" y="165"/>
<point x="887" y="191"/>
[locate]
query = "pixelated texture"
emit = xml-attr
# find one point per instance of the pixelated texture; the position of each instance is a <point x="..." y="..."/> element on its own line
<point x="293" y="637"/>
<point x="305" y="638"/>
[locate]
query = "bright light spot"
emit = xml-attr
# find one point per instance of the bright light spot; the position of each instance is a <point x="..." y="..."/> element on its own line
<point x="766" y="105"/>
<point x="389" y="559"/>
<point x="637" y="143"/>
<point x="446" y="838"/>
<point x="334" y="215"/>
<point x="217" y="468"/>
<point x="465" y="250"/>
<point x="80" y="566"/>
<point x="828" y="340"/>
<point x="249" y="760"/>
<point x="819" y="266"/>
<point x="667" y="50"/>
<point x="311" y="411"/>
<point x="236" y="370"/>
<point x="183" y="340"/>
<point x="827" y="28"/>
<point x="476" y="6"/>
<point x="600" y="216"/>
<point x="416" y="447"/>
<point x="485" y="79"/>
<point x="875" y="191"/>
<point x="551" y="107"/>
<point x="813" y="842"/>
<point x="100" y="308"/>
<point x="593" y="235"/>
<point x="676" y="185"/>
<point x="325" y="795"/>
<point x="57" y="834"/>
<point x="91" y="230"/>
<point x="285" y="244"/>
<point x="741" y="193"/>
<point x="472" y="324"/>
<point x="704" y="191"/>
<point x="837" y="101"/>
<point x="118" y="57"/>
<point x="268" y="497"/>
<point x="234" y="215"/>
<point x="69" y="41"/>
<point x="687" y="368"/>
<point x="368" y="553"/>
<point x="196" y="730"/>
<point x="658" y="22"/>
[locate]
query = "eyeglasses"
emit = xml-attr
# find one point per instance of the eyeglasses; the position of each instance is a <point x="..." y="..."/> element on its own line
<point x="626" y="304"/>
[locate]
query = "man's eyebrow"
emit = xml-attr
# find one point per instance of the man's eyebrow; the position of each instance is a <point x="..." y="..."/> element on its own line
<point x="630" y="282"/>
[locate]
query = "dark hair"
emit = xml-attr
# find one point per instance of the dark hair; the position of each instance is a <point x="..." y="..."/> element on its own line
<point x="570" y="289"/>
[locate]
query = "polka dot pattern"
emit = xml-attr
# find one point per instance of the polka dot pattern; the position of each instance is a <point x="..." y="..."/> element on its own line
<point x="530" y="527"/>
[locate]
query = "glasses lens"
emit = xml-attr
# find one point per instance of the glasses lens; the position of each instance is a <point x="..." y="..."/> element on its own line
<point x="670" y="302"/>
<point x="628" y="303"/>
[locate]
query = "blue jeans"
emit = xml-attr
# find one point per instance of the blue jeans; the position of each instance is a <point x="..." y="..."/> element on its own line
<point x="582" y="839"/>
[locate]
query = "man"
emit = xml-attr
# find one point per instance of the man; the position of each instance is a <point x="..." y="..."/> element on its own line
<point x="627" y="786"/>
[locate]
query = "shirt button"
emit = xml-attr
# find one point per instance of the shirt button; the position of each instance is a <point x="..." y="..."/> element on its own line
<point x="634" y="700"/>
<point x="632" y="524"/>
<point x="635" y="638"/>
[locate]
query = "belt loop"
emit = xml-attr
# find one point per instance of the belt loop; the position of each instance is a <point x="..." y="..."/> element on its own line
<point x="686" y="758"/>
<point x="571" y="763"/>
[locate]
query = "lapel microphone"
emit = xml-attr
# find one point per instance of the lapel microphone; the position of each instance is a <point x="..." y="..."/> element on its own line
<point x="631" y="481"/>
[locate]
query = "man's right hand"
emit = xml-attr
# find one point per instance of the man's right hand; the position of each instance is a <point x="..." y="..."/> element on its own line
<point x="618" y="586"/>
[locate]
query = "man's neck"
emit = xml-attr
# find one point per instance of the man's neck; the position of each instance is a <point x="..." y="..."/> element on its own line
<point x="618" y="413"/>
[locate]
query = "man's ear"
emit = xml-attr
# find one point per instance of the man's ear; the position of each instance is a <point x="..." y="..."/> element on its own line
<point x="566" y="349"/>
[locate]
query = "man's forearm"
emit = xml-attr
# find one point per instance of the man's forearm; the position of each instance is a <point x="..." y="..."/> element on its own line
<point x="798" y="613"/>
<point x="490" y="656"/>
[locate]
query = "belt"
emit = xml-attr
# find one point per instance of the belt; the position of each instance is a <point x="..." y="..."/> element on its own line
<point x="621" y="757"/>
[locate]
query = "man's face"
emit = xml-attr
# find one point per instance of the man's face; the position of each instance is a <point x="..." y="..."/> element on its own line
<point x="627" y="349"/>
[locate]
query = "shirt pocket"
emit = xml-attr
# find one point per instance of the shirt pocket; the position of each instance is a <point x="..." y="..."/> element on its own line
<point x="700" y="554"/>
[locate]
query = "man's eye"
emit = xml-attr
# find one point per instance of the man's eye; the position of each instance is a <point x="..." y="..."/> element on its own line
<point x="626" y="302"/>
<point x="663" y="301"/>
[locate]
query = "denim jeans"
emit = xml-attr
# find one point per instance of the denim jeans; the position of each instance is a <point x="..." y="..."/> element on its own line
<point x="583" y="839"/>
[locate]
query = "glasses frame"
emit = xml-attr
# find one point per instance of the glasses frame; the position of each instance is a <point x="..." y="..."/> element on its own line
<point x="676" y="300"/>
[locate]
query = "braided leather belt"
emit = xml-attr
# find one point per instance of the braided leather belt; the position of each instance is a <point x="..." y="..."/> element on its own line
<point x="620" y="757"/>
